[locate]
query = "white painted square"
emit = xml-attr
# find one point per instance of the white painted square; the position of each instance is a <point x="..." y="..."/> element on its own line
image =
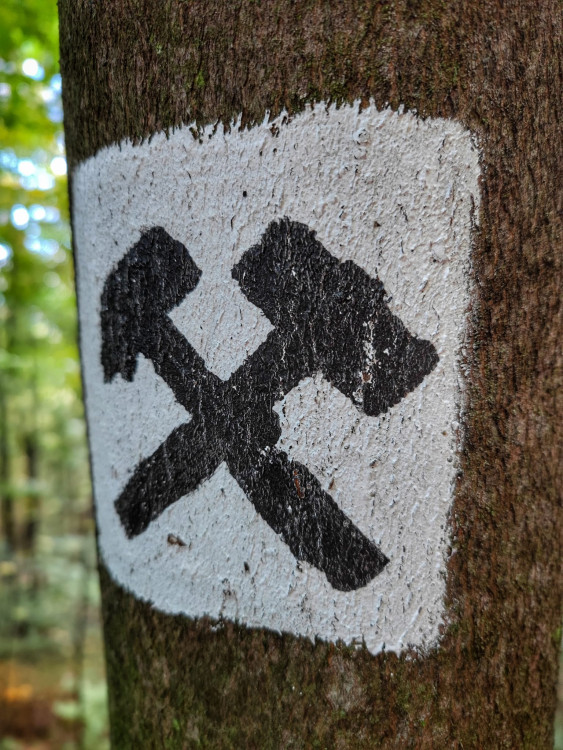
<point x="223" y="334"/>
<point x="395" y="194"/>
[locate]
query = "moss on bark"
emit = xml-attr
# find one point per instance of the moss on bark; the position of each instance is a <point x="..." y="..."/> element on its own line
<point x="133" y="67"/>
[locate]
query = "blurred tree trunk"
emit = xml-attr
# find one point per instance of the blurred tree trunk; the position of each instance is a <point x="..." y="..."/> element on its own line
<point x="7" y="497"/>
<point x="7" y="501"/>
<point x="134" y="67"/>
<point x="31" y="452"/>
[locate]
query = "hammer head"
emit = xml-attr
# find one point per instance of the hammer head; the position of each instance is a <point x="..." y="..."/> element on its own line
<point x="336" y="312"/>
<point x="150" y="280"/>
<point x="285" y="273"/>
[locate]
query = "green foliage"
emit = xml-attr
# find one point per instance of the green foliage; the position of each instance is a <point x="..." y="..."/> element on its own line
<point x="39" y="371"/>
<point x="92" y="712"/>
<point x="50" y="641"/>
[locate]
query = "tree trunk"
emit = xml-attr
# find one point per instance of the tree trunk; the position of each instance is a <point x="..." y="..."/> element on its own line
<point x="32" y="454"/>
<point x="31" y="524"/>
<point x="493" y="69"/>
<point x="7" y="501"/>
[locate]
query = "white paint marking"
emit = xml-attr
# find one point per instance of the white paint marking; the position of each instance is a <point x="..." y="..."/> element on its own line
<point x="223" y="335"/>
<point x="391" y="192"/>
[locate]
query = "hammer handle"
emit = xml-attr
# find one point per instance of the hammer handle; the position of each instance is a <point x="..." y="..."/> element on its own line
<point x="178" y="466"/>
<point x="179" y="365"/>
<point x="291" y="500"/>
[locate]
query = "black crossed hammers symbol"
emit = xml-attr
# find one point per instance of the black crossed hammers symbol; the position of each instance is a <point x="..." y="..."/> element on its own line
<point x="328" y="316"/>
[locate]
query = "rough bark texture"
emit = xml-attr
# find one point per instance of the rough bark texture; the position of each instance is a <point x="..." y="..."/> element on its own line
<point x="132" y="67"/>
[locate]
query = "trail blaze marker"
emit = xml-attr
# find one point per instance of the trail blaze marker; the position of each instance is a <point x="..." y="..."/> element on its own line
<point x="276" y="316"/>
<point x="313" y="301"/>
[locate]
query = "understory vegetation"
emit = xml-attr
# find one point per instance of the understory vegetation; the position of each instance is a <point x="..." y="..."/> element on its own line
<point x="52" y="682"/>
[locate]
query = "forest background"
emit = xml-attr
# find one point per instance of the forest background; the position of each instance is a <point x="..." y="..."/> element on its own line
<point x="52" y="682"/>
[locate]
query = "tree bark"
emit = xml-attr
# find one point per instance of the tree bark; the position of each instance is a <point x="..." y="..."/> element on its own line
<point x="32" y="508"/>
<point x="6" y="502"/>
<point x="132" y="68"/>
